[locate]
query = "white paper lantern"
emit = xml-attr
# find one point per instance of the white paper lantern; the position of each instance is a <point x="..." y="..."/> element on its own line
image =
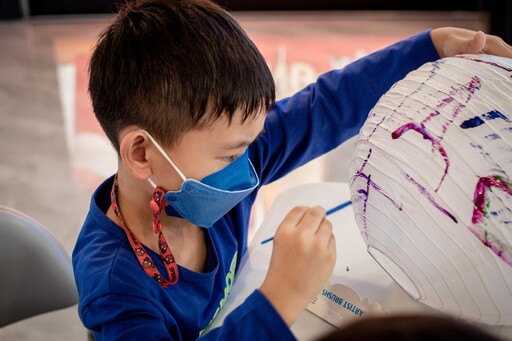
<point x="432" y="189"/>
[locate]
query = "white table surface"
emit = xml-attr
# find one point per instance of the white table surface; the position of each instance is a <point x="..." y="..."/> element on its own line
<point x="364" y="275"/>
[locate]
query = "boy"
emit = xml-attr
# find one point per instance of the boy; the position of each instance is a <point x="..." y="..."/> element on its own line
<point x="188" y="103"/>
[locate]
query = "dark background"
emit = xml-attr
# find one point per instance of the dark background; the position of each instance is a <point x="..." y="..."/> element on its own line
<point x="500" y="11"/>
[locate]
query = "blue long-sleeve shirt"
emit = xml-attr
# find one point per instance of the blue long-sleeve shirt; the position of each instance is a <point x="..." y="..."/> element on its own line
<point x="118" y="301"/>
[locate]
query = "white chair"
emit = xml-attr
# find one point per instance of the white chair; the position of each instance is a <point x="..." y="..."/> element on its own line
<point x="35" y="271"/>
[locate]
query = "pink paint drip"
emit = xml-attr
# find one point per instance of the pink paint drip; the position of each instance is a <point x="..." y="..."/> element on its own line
<point x="480" y="198"/>
<point x="469" y="88"/>
<point x="436" y="144"/>
<point x="480" y="211"/>
<point x="498" y="251"/>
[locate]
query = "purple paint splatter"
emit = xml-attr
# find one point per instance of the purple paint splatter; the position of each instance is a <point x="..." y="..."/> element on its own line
<point x="436" y="145"/>
<point x="370" y="183"/>
<point x="486" y="62"/>
<point x="429" y="197"/>
<point x="365" y="203"/>
<point x="468" y="89"/>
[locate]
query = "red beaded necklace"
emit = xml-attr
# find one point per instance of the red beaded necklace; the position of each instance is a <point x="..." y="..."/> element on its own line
<point x="157" y="204"/>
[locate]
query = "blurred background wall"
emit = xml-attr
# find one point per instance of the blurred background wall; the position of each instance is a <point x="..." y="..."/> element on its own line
<point x="500" y="11"/>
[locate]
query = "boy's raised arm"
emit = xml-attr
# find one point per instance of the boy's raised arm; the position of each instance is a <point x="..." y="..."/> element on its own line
<point x="328" y="112"/>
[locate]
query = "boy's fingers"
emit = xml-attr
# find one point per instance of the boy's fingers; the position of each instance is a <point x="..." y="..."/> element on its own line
<point x="294" y="217"/>
<point x="466" y="42"/>
<point x="498" y="47"/>
<point x="489" y="44"/>
<point x="451" y="41"/>
<point x="313" y="219"/>
<point x="332" y="244"/>
<point x="325" y="231"/>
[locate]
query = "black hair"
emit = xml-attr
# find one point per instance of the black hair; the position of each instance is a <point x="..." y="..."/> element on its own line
<point x="170" y="66"/>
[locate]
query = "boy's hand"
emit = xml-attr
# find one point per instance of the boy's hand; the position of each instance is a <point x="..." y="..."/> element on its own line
<point x="450" y="41"/>
<point x="302" y="262"/>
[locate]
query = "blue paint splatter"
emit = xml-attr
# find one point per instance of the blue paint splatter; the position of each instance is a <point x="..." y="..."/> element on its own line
<point x="491" y="115"/>
<point x="492" y="136"/>
<point x="472" y="123"/>
<point x="477" y="120"/>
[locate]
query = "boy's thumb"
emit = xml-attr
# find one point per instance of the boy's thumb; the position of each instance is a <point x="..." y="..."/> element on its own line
<point x="477" y="43"/>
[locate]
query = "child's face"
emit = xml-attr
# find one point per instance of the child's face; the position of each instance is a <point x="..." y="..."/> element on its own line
<point x="202" y="152"/>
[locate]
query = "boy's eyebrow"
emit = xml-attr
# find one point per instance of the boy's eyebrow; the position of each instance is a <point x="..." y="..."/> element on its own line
<point x="242" y="143"/>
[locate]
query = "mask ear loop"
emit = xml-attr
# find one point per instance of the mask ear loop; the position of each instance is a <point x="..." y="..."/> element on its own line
<point x="152" y="183"/>
<point x="164" y="154"/>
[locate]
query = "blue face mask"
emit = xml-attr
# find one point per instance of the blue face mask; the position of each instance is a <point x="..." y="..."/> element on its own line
<point x="204" y="202"/>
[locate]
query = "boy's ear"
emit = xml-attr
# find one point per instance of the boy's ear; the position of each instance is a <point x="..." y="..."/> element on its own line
<point x="133" y="150"/>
